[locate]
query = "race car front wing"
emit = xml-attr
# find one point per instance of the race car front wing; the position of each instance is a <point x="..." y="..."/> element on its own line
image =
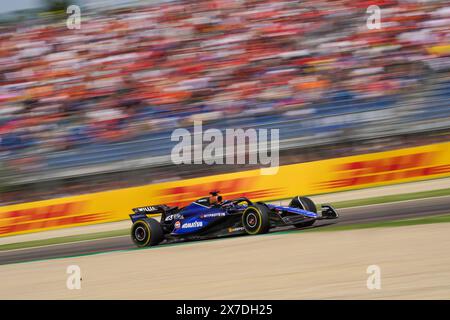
<point x="328" y="212"/>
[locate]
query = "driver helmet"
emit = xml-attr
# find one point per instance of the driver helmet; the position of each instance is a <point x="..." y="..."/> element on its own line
<point x="215" y="197"/>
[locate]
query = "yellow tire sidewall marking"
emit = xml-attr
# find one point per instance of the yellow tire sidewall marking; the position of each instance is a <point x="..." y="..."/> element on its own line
<point x="148" y="231"/>
<point x="260" y="219"/>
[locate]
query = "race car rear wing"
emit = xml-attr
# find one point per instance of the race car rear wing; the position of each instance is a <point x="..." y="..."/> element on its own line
<point x="143" y="212"/>
<point x="158" y="209"/>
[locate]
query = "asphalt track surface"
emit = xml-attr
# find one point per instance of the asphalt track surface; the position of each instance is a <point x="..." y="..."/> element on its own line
<point x="364" y="214"/>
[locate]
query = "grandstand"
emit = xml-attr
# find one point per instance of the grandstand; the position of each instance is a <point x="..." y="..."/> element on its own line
<point x="90" y="105"/>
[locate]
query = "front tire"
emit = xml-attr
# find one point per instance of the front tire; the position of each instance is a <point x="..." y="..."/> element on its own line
<point x="256" y="220"/>
<point x="146" y="232"/>
<point x="304" y="203"/>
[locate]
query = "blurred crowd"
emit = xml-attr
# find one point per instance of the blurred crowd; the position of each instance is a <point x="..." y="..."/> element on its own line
<point x="133" y="71"/>
<point x="143" y="69"/>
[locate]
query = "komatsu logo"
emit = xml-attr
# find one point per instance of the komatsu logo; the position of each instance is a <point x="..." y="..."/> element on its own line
<point x="195" y="224"/>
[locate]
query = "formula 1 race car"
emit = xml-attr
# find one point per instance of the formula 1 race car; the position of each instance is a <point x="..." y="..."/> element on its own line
<point x="211" y="217"/>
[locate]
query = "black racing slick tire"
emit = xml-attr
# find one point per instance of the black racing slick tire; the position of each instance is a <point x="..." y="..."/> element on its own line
<point x="146" y="232"/>
<point x="256" y="219"/>
<point x="304" y="203"/>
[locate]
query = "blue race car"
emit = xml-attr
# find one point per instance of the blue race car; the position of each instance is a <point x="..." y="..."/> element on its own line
<point x="211" y="217"/>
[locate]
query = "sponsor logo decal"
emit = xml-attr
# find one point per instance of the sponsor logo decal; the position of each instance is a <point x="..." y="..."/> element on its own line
<point x="385" y="170"/>
<point x="52" y="216"/>
<point x="174" y="217"/>
<point x="148" y="209"/>
<point x="195" y="224"/>
<point x="237" y="187"/>
<point x="213" y="215"/>
<point x="235" y="229"/>
<point x="177" y="225"/>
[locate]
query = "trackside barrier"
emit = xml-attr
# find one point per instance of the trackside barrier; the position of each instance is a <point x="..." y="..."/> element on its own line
<point x="325" y="176"/>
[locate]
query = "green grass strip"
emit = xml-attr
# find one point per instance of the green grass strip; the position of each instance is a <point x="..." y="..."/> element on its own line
<point x="391" y="198"/>
<point x="65" y="239"/>
<point x="383" y="224"/>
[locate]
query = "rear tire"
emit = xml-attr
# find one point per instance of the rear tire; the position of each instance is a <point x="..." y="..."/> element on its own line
<point x="304" y="203"/>
<point x="256" y="219"/>
<point x="146" y="232"/>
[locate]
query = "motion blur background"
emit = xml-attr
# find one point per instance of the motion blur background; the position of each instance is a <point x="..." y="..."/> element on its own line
<point x="93" y="109"/>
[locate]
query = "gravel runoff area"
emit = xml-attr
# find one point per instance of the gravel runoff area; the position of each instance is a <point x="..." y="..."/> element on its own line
<point x="413" y="262"/>
<point x="397" y="189"/>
